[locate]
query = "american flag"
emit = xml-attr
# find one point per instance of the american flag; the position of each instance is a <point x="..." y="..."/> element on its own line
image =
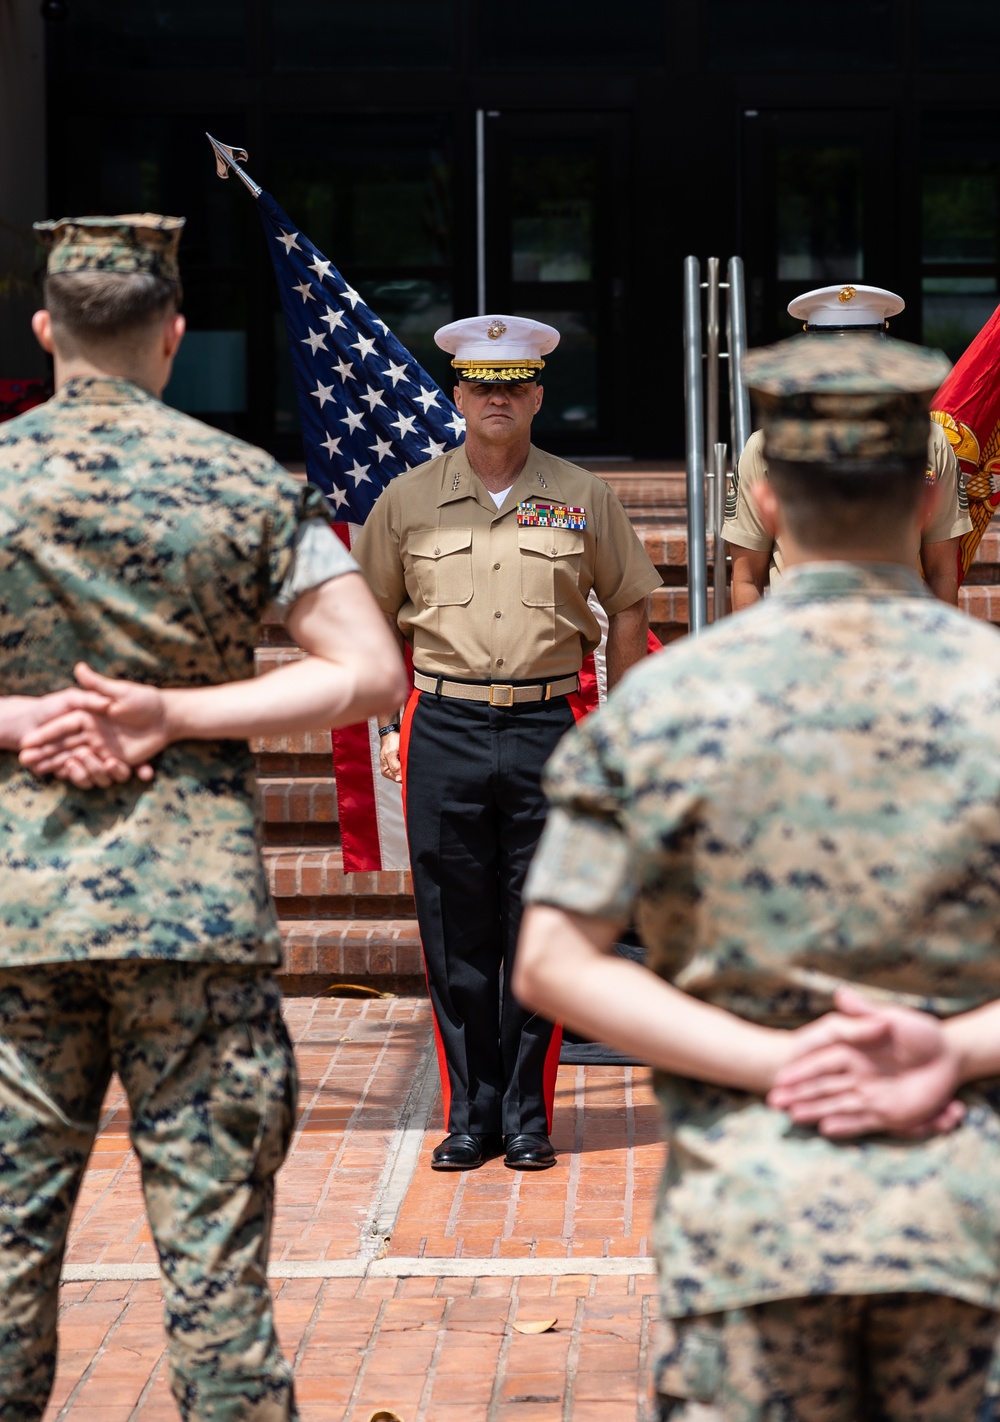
<point x="369" y="411"/>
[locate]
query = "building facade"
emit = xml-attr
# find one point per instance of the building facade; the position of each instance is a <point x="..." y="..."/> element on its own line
<point x="557" y="160"/>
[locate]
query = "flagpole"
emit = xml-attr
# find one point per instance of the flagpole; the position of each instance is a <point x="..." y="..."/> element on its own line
<point x="225" y="158"/>
<point x="481" y="211"/>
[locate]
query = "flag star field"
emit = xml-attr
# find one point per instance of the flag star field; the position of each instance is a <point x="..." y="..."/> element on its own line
<point x="368" y="410"/>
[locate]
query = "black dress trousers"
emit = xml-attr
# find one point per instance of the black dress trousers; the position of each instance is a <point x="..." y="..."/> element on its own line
<point x="474" y="814"/>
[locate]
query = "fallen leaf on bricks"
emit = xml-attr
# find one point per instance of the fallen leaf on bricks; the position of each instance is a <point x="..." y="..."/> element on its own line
<point x="535" y="1325"/>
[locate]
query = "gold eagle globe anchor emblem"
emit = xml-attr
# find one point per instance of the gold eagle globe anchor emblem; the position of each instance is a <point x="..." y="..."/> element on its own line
<point x="495" y="330"/>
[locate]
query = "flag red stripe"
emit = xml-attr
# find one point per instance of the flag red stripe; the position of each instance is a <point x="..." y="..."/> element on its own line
<point x="352" y="766"/>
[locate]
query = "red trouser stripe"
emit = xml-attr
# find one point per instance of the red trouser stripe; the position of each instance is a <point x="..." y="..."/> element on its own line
<point x="442" y="1060"/>
<point x="550" y="1071"/>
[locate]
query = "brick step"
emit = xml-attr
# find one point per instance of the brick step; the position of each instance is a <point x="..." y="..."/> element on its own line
<point x="296" y="743"/>
<point x="310" y="883"/>
<point x="298" y="799"/>
<point x="666" y="543"/>
<point x="352" y="948"/>
<point x="299" y="809"/>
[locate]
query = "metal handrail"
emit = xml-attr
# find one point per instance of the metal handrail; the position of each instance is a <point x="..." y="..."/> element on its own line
<point x="702" y="424"/>
<point x="695" y="445"/>
<point x="736" y="340"/>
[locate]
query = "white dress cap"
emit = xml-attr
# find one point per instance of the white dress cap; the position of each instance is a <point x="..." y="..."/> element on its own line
<point x="497" y="347"/>
<point x="846" y="306"/>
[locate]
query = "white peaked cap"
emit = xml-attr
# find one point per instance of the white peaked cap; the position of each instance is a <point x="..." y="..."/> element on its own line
<point x="846" y="306"/>
<point x="494" y="347"/>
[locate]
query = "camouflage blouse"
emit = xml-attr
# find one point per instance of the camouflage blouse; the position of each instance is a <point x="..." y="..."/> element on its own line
<point x="807" y="795"/>
<point x="149" y="545"/>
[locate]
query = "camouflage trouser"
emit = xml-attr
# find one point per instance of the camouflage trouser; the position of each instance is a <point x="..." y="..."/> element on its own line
<point x="206" y="1063"/>
<point x="871" y="1358"/>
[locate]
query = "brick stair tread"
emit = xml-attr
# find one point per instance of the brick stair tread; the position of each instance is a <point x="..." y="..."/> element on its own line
<point x="666" y="544"/>
<point x="352" y="947"/>
<point x="294" y="743"/>
<point x="669" y="605"/>
<point x="298" y="799"/>
<point x="295" y="871"/>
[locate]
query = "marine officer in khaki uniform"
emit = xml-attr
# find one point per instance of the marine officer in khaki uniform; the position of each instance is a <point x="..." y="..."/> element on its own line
<point x="483" y="560"/>
<point x="757" y="560"/>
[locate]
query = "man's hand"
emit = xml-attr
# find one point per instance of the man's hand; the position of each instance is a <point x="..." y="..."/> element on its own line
<point x="94" y="763"/>
<point x="388" y="757"/>
<point x="129" y="729"/>
<point x="901" y="1081"/>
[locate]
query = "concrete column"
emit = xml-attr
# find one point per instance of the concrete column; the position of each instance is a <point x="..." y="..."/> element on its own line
<point x="22" y="181"/>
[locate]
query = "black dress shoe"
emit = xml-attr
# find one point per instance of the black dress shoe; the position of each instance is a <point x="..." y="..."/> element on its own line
<point x="460" y="1151"/>
<point x="528" y="1151"/>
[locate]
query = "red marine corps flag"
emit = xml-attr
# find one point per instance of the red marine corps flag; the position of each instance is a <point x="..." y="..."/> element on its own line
<point x="968" y="407"/>
<point x="368" y="412"/>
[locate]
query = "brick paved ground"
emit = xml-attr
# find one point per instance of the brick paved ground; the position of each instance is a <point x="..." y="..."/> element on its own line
<point x="398" y="1287"/>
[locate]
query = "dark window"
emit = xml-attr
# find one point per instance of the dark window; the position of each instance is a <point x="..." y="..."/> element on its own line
<point x="961" y="228"/>
<point x="343" y="34"/>
<point x="820" y="214"/>
<point x="156" y="34"/>
<point x="824" y="34"/>
<point x="964" y="35"/>
<point x="555" y="235"/>
<point x="553" y="229"/>
<point x="162" y="163"/>
<point x="572" y="33"/>
<point x="375" y="198"/>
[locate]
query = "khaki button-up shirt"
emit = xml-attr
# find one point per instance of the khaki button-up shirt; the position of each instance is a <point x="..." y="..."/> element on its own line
<point x="744" y="528"/>
<point x="479" y="594"/>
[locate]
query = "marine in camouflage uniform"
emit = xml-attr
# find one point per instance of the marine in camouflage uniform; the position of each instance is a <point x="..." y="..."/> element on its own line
<point x="749" y="796"/>
<point x="137" y="934"/>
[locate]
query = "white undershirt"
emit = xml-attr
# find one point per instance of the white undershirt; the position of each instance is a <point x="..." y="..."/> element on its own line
<point x="499" y="498"/>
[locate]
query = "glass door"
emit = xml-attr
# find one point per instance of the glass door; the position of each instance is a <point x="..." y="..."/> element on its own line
<point x="555" y="249"/>
<point x="817" y="208"/>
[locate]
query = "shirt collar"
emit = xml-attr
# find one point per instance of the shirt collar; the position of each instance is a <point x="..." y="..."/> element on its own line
<point x="809" y="581"/>
<point x="537" y="480"/>
<point x="101" y="390"/>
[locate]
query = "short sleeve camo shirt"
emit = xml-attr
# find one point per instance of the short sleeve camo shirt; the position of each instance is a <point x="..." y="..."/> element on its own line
<point x="149" y="545"/>
<point x="807" y="795"/>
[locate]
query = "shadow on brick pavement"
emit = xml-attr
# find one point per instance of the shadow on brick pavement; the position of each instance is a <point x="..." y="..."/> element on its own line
<point x="398" y="1287"/>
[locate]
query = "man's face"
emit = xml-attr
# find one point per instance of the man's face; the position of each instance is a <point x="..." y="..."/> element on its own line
<point x="498" y="414"/>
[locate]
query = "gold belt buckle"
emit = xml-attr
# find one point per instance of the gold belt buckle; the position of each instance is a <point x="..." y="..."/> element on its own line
<point x="501" y="695"/>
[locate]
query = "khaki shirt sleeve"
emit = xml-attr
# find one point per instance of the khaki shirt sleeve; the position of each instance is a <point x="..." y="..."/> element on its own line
<point x="742" y="525"/>
<point x="952" y="517"/>
<point x="623" y="570"/>
<point x="377" y="552"/>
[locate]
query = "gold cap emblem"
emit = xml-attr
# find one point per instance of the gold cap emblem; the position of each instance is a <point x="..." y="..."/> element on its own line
<point x="847" y="293"/>
<point x="495" y="330"/>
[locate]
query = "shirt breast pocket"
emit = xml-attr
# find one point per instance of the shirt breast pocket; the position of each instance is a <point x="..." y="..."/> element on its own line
<point x="441" y="559"/>
<point x="550" y="565"/>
